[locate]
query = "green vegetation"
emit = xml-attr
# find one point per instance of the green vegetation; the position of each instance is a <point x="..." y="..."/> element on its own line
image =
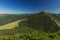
<point x="41" y="26"/>
<point x="43" y="22"/>
<point x="7" y="18"/>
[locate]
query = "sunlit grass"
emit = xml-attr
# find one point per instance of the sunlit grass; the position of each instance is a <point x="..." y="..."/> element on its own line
<point x="11" y="25"/>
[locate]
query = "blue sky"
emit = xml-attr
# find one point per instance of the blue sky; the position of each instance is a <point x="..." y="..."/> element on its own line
<point x="29" y="6"/>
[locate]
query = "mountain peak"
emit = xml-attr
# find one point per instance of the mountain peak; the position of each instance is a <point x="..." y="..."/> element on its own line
<point x="43" y="22"/>
<point x="43" y="12"/>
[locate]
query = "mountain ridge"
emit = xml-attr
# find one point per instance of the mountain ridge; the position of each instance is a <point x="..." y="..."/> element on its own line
<point x="43" y="21"/>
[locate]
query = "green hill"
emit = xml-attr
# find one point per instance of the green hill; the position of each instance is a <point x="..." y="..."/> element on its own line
<point x="43" y="21"/>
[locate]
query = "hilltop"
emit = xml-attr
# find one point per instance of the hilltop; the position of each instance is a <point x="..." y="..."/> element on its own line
<point x="43" y="21"/>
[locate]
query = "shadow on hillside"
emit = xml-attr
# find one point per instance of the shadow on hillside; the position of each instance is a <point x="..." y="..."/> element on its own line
<point x="45" y="29"/>
<point x="39" y="28"/>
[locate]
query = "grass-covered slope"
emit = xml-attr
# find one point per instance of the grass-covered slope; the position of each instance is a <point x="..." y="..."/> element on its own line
<point x="10" y="25"/>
